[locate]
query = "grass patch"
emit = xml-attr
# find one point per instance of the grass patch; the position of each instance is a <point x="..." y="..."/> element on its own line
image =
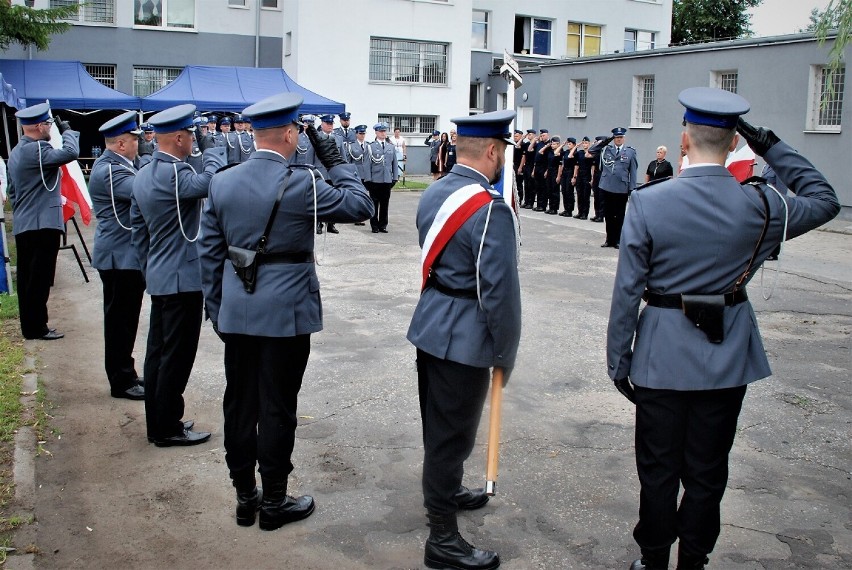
<point x="411" y="185"/>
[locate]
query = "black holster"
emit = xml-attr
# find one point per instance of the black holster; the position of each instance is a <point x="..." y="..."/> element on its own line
<point x="708" y="314"/>
<point x="245" y="266"/>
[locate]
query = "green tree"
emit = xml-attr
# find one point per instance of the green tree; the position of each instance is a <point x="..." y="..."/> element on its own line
<point x="835" y="19"/>
<point x="695" y="21"/>
<point x="31" y="27"/>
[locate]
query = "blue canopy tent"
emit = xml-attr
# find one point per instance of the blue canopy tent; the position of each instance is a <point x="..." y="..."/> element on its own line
<point x="213" y="88"/>
<point x="66" y="84"/>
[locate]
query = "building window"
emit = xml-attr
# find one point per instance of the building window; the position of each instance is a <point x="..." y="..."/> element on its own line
<point x="288" y="44"/>
<point x="103" y="73"/>
<point x="410" y="124"/>
<point x="146" y="80"/>
<point x="504" y="101"/>
<point x="826" y="98"/>
<point x="583" y="39"/>
<point x="637" y="40"/>
<point x="403" y="61"/>
<point x="92" y="12"/>
<point x="164" y="13"/>
<point x="269" y="4"/>
<point x="643" y="101"/>
<point x="479" y="31"/>
<point x="237" y="3"/>
<point x="578" y="97"/>
<point x="476" y="97"/>
<point x="532" y="35"/>
<point x="726" y="80"/>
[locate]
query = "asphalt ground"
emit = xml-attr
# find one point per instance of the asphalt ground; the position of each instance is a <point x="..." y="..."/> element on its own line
<point x="567" y="488"/>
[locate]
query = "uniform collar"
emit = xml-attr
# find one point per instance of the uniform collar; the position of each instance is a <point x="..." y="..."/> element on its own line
<point x="468" y="172"/>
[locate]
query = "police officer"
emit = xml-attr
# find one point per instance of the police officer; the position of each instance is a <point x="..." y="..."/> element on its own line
<point x="473" y="287"/>
<point x="383" y="175"/>
<point x="344" y="131"/>
<point x="229" y="140"/>
<point x="618" y="179"/>
<point x="356" y="153"/>
<point x="434" y="144"/>
<point x="517" y="157"/>
<point x="244" y="142"/>
<point x="194" y="159"/>
<point x="33" y="175"/>
<point x="165" y="215"/>
<point x="110" y="186"/>
<point x="527" y="168"/>
<point x="582" y="178"/>
<point x="542" y="145"/>
<point x="701" y="234"/>
<point x="147" y="142"/>
<point x="215" y="137"/>
<point x="566" y="176"/>
<point x="267" y="332"/>
<point x="597" y="194"/>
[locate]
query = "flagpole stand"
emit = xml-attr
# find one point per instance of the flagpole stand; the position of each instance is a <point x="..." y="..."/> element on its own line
<point x="73" y="248"/>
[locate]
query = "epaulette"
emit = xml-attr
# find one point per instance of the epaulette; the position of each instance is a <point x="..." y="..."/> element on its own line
<point x="755" y="181"/>
<point x="494" y="193"/>
<point x="652" y="182"/>
<point x="307" y="166"/>
<point x="226" y="167"/>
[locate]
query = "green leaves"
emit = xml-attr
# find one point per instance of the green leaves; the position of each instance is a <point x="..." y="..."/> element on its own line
<point x="28" y="26"/>
<point x="697" y="21"/>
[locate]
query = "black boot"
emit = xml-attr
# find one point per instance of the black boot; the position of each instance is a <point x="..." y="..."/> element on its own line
<point x="278" y="508"/>
<point x="687" y="561"/>
<point x="657" y="559"/>
<point x="470" y="499"/>
<point x="248" y="497"/>
<point x="445" y="547"/>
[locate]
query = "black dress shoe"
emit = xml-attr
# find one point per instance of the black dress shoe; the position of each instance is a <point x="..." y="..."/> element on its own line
<point x="565" y="214"/>
<point x="135" y="392"/>
<point x="551" y="212"/>
<point x="615" y="246"/>
<point x="187" y="424"/>
<point x="597" y="219"/>
<point x="605" y="244"/>
<point x="375" y="230"/>
<point x="383" y="230"/>
<point x="52" y="335"/>
<point x="643" y="564"/>
<point x="538" y="209"/>
<point x="140" y="381"/>
<point x="332" y="229"/>
<point x="278" y="508"/>
<point x="188" y="437"/>
<point x="470" y="499"/>
<point x="359" y="223"/>
<point x="581" y="217"/>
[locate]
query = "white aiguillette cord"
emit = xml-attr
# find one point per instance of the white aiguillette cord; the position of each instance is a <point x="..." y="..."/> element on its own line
<point x="766" y="296"/>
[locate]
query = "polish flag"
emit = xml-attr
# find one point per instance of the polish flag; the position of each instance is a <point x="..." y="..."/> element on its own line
<point x="741" y="163"/>
<point x="72" y="185"/>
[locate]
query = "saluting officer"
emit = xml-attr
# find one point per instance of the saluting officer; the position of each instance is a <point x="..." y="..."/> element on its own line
<point x="467" y="320"/>
<point x="147" y="142"/>
<point x="618" y="180"/>
<point x="113" y="255"/>
<point x="267" y="332"/>
<point x="383" y="175"/>
<point x="517" y="157"/>
<point x="526" y="168"/>
<point x="690" y="247"/>
<point x="165" y="215"/>
<point x="344" y="131"/>
<point x="34" y="193"/>
<point x="194" y="158"/>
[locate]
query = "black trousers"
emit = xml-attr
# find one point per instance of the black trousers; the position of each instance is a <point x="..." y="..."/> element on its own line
<point x="519" y="183"/>
<point x="683" y="437"/>
<point x="552" y="201"/>
<point x="123" y="291"/>
<point x="451" y="400"/>
<point x="599" y="200"/>
<point x="567" y="195"/>
<point x="37" y="251"/>
<point x="529" y="186"/>
<point x="584" y="192"/>
<point x="264" y="376"/>
<point x="380" y="192"/>
<point x="614" y="207"/>
<point x="172" y="344"/>
<point x="540" y="183"/>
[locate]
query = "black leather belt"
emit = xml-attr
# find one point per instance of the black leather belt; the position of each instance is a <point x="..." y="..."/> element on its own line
<point x="675" y="302"/>
<point x="286" y="257"/>
<point x="457" y="293"/>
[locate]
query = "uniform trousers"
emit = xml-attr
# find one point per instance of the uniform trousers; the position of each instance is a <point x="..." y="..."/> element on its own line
<point x="598" y="198"/>
<point x="584" y="192"/>
<point x="380" y="192"/>
<point x="540" y="183"/>
<point x="37" y="251"/>
<point x="264" y="376"/>
<point x="172" y="344"/>
<point x="614" y="206"/>
<point x="567" y="195"/>
<point x="519" y="183"/>
<point x="683" y="437"/>
<point x="451" y="399"/>
<point x="529" y="187"/>
<point x="552" y="198"/>
<point x="123" y="292"/>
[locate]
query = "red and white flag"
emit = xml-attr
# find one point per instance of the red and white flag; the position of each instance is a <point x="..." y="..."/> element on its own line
<point x="741" y="163"/>
<point x="72" y="184"/>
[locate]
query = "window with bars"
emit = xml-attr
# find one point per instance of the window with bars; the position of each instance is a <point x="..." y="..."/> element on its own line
<point x="146" y="80"/>
<point x="583" y="39"/>
<point x="532" y="35"/>
<point x="643" y="101"/>
<point x="164" y="13"/>
<point x="410" y="124"/>
<point x="578" y="97"/>
<point x="726" y="80"/>
<point x="409" y="62"/>
<point x="91" y="11"/>
<point x="826" y="98"/>
<point x="104" y="73"/>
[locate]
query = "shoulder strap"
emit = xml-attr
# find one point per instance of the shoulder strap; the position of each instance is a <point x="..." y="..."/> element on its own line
<point x="755" y="183"/>
<point x="261" y="245"/>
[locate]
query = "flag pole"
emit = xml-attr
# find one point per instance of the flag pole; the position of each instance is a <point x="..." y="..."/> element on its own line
<point x="495" y="419"/>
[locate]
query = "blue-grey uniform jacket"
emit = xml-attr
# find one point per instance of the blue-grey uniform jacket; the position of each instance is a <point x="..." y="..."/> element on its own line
<point x="169" y="260"/>
<point x="240" y="146"/>
<point x="383" y="165"/>
<point x="286" y="300"/>
<point x="33" y="174"/>
<point x="357" y="155"/>
<point x="348" y="136"/>
<point x="460" y="329"/>
<point x="110" y="186"/>
<point x="695" y="234"/>
<point x="618" y="170"/>
<point x="304" y="151"/>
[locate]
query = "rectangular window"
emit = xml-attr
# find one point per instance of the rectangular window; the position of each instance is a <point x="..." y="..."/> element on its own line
<point x="476" y="97"/>
<point x="409" y="62"/>
<point x="577" y="97"/>
<point x="146" y="80"/>
<point x="637" y="40"/>
<point x="91" y="11"/>
<point x="164" y="13"/>
<point x="583" y="39"/>
<point x="643" y="101"/>
<point x="826" y="98"/>
<point x="479" y="30"/>
<point x="237" y="3"/>
<point x="269" y="4"/>
<point x="726" y="80"/>
<point x="288" y="43"/>
<point x="103" y="73"/>
<point x="410" y="124"/>
<point x="532" y="35"/>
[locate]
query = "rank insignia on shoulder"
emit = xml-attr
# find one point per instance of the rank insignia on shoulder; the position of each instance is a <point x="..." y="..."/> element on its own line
<point x="652" y="182"/>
